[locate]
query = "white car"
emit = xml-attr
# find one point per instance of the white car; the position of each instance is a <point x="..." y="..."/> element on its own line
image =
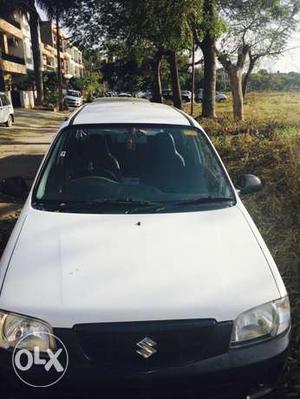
<point x="144" y="94"/>
<point x="220" y="97"/>
<point x="6" y="110"/>
<point x="186" y="95"/>
<point x="135" y="250"/>
<point x="73" y="98"/>
<point x="124" y="94"/>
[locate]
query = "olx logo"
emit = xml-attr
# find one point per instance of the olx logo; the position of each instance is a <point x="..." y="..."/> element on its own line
<point x="40" y="369"/>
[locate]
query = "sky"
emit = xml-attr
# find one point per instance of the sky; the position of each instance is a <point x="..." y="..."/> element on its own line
<point x="288" y="62"/>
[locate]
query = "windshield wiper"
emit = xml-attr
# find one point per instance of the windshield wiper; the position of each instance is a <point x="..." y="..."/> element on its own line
<point x="65" y="206"/>
<point x="201" y="200"/>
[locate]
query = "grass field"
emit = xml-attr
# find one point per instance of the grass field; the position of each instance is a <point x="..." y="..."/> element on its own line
<point x="267" y="144"/>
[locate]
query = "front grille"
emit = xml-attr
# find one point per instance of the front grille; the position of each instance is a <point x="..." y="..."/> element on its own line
<point x="178" y="342"/>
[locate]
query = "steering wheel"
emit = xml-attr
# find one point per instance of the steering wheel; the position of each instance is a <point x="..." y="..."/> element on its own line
<point x="110" y="176"/>
<point x="102" y="172"/>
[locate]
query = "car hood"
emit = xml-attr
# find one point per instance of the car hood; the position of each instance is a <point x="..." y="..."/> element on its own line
<point x="79" y="268"/>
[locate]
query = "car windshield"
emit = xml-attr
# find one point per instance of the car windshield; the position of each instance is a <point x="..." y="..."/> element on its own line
<point x="73" y="93"/>
<point x="132" y="168"/>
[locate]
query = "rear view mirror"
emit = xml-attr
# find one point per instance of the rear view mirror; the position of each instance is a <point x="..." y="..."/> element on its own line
<point x="249" y="184"/>
<point x="14" y="187"/>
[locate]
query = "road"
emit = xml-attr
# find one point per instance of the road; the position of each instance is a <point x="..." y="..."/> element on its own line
<point x="23" y="146"/>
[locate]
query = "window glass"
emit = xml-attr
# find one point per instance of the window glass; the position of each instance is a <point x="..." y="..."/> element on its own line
<point x="4" y="99"/>
<point x="166" y="165"/>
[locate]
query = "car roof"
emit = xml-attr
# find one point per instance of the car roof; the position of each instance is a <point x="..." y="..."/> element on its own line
<point x="129" y="110"/>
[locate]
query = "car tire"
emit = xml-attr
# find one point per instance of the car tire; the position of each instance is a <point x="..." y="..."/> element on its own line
<point x="9" y="121"/>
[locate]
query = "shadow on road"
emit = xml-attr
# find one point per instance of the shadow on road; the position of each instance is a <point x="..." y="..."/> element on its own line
<point x="20" y="165"/>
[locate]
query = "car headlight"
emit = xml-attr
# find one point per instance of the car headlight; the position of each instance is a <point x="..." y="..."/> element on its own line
<point x="25" y="332"/>
<point x="265" y="321"/>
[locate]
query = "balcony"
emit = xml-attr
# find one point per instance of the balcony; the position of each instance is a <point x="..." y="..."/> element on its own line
<point x="10" y="28"/>
<point x="13" y="58"/>
<point x="13" y="22"/>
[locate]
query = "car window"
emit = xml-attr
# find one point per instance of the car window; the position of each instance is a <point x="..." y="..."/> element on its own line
<point x="73" y="93"/>
<point x="4" y="99"/>
<point x="167" y="165"/>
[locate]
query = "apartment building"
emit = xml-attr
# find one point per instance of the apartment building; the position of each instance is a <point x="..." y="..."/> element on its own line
<point x="70" y="56"/>
<point x="15" y="46"/>
<point x="16" y="53"/>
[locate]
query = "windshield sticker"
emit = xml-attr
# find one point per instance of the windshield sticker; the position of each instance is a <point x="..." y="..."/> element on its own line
<point x="190" y="133"/>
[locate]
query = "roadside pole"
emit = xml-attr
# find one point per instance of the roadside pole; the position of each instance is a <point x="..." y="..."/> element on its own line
<point x="59" y="72"/>
<point x="193" y="78"/>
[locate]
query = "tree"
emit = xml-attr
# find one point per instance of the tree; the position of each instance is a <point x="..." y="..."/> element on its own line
<point x="207" y="46"/>
<point x="250" y="23"/>
<point x="34" y="23"/>
<point x="166" y="25"/>
<point x="274" y="38"/>
<point x="235" y="72"/>
<point x="2" y="81"/>
<point x="206" y="33"/>
<point x="157" y="88"/>
<point x="155" y="29"/>
<point x="54" y="10"/>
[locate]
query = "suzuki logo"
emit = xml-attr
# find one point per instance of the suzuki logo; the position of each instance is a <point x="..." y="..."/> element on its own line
<point x="146" y="347"/>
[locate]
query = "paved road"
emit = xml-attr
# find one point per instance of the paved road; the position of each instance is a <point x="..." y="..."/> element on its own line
<point x="23" y="146"/>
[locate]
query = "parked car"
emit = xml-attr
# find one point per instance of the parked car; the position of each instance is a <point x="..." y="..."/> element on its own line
<point x="186" y="95"/>
<point x="144" y="94"/>
<point x="134" y="248"/>
<point x="219" y="96"/>
<point x="73" y="98"/>
<point x="167" y="94"/>
<point x="124" y="94"/>
<point x="111" y="94"/>
<point x="6" y="110"/>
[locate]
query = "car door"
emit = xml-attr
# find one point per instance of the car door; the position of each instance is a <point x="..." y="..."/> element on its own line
<point x="5" y="107"/>
<point x="1" y="111"/>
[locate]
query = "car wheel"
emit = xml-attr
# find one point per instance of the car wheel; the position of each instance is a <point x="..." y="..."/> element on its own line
<point x="9" y="121"/>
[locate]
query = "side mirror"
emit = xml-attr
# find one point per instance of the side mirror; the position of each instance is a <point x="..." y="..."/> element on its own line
<point x="14" y="187"/>
<point x="249" y="184"/>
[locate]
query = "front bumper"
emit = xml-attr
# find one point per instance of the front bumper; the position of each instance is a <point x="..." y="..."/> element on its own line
<point x="240" y="371"/>
<point x="73" y="103"/>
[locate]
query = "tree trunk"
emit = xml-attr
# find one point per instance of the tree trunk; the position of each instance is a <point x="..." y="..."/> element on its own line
<point x="235" y="76"/>
<point x="210" y="77"/>
<point x="2" y="81"/>
<point x="59" y="72"/>
<point x="208" y="47"/>
<point x="193" y="78"/>
<point x="157" y="90"/>
<point x="247" y="76"/>
<point x="37" y="54"/>
<point x="175" y="80"/>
